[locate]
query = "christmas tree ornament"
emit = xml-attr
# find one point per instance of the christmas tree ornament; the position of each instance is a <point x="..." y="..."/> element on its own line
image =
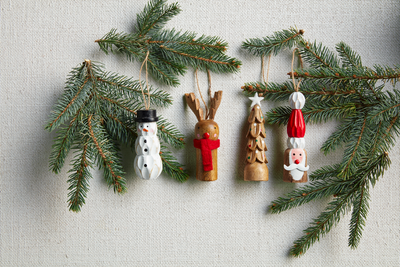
<point x="148" y="164"/>
<point x="256" y="168"/>
<point x="295" y="157"/>
<point x="340" y="88"/>
<point x="206" y="132"/>
<point x="295" y="161"/>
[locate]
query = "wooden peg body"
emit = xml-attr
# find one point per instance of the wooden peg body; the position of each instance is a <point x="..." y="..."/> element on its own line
<point x="202" y="129"/>
<point x="258" y="171"/>
<point x="287" y="177"/>
<point x="256" y="162"/>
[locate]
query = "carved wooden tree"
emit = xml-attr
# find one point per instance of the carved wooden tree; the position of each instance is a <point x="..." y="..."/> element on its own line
<point x="256" y="168"/>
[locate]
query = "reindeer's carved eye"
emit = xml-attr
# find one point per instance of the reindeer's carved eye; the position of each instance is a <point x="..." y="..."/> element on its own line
<point x="198" y="127"/>
<point x="215" y="127"/>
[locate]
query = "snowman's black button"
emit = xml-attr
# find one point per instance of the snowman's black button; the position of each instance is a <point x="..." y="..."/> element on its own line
<point x="145" y="165"/>
<point x="145" y="150"/>
<point x="145" y="141"/>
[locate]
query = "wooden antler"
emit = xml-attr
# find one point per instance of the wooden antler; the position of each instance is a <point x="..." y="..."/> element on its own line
<point x="194" y="105"/>
<point x="215" y="101"/>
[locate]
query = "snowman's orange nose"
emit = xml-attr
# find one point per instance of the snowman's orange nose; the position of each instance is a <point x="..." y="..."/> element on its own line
<point x="206" y="135"/>
<point x="297" y="161"/>
<point x="145" y="130"/>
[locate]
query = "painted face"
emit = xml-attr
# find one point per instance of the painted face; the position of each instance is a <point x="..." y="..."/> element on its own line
<point x="297" y="155"/>
<point x="207" y="129"/>
<point x="147" y="128"/>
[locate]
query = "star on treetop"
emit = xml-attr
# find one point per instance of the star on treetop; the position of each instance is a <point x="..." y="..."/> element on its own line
<point x="255" y="100"/>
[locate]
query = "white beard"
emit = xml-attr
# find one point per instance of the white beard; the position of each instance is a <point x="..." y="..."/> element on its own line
<point x="296" y="174"/>
<point x="296" y="170"/>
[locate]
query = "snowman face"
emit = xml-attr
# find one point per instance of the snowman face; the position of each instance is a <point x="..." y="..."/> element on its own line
<point x="146" y="128"/>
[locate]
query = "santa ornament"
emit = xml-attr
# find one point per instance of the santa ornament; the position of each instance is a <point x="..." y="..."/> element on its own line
<point x="148" y="164"/>
<point x="295" y="162"/>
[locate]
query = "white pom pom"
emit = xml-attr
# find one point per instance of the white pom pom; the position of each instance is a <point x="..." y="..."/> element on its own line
<point x="293" y="142"/>
<point x="297" y="100"/>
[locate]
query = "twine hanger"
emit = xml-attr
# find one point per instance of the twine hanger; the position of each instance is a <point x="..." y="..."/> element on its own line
<point x="296" y="88"/>
<point x="146" y="105"/>
<point x="262" y="69"/>
<point x="209" y="89"/>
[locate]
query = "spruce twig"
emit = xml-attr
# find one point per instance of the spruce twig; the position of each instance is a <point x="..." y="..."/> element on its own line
<point x="97" y="111"/>
<point x="339" y="88"/>
<point x="170" y="51"/>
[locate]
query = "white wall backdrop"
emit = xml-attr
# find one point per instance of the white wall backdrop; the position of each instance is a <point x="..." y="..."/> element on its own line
<point x="163" y="222"/>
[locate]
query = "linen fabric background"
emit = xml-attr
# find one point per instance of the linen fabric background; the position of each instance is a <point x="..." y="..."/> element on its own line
<point x="164" y="222"/>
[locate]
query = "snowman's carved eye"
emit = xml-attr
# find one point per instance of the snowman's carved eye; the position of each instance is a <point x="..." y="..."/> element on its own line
<point x="147" y="126"/>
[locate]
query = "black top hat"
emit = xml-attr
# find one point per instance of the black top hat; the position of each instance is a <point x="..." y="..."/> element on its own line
<point x="146" y="115"/>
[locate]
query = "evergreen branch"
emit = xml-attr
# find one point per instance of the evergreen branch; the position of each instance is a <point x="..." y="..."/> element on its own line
<point x="370" y="121"/>
<point x="312" y="89"/>
<point x="321" y="112"/>
<point x="338" y="137"/>
<point x="316" y="190"/>
<point x="129" y="44"/>
<point x="62" y="145"/>
<point x="112" y="169"/>
<point x="187" y="40"/>
<point x="121" y="130"/>
<point x="318" y="56"/>
<point x="349" y="57"/>
<point x="163" y="71"/>
<point x="325" y="172"/>
<point x="273" y="44"/>
<point x="131" y="89"/>
<point x="78" y="180"/>
<point x="337" y="75"/>
<point x="170" y="52"/>
<point x="219" y="63"/>
<point x="388" y="108"/>
<point x="155" y="15"/>
<point x="322" y="224"/>
<point x="314" y="113"/>
<point x="278" y="115"/>
<point x="170" y="134"/>
<point x="172" y="167"/>
<point x="359" y="215"/>
<point x="73" y="98"/>
<point x="352" y="154"/>
<point x="116" y="103"/>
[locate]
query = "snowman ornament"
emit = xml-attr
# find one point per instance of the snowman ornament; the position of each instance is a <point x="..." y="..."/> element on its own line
<point x="148" y="164"/>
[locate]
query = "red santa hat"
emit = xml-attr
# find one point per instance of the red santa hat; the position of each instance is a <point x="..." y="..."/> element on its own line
<point x="296" y="127"/>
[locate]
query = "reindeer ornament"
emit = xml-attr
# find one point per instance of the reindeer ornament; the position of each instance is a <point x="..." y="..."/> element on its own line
<point x="206" y="139"/>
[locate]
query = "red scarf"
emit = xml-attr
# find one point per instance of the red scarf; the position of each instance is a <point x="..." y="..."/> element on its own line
<point x="206" y="145"/>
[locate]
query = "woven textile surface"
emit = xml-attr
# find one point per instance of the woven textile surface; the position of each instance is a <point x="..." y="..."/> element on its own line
<point x="164" y="222"/>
